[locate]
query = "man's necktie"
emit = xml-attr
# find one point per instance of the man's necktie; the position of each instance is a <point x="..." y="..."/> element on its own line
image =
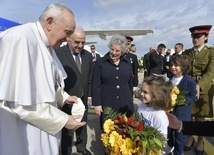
<point x="77" y="59"/>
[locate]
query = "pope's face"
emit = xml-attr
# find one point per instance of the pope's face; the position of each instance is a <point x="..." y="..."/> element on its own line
<point x="115" y="53"/>
<point x="60" y="30"/>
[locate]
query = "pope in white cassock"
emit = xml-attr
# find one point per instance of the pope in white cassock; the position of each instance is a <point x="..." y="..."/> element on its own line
<point x="31" y="85"/>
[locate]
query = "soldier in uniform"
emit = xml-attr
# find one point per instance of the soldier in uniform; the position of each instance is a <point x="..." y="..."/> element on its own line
<point x="202" y="60"/>
<point x="134" y="61"/>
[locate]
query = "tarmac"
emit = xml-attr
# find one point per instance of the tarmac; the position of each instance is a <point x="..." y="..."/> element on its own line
<point x="94" y="144"/>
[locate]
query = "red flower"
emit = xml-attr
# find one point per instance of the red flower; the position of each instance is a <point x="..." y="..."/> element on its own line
<point x="130" y="121"/>
<point x="139" y="126"/>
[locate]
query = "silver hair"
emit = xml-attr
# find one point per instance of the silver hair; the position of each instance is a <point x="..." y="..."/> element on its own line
<point x="118" y="40"/>
<point x="54" y="10"/>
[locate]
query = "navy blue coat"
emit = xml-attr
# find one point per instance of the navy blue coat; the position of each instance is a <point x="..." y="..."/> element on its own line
<point x="112" y="85"/>
<point x="189" y="85"/>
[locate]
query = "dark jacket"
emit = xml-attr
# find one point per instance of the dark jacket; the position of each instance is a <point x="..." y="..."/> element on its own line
<point x="135" y="66"/>
<point x="188" y="85"/>
<point x="112" y="85"/>
<point x="76" y="83"/>
<point x="156" y="63"/>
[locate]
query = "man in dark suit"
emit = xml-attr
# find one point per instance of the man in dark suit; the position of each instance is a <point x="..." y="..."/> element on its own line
<point x="156" y="59"/>
<point x="178" y="48"/>
<point x="134" y="61"/>
<point x="77" y="63"/>
<point x="146" y="62"/>
<point x="95" y="55"/>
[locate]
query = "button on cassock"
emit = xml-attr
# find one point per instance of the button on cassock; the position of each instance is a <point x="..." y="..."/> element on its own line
<point x="117" y="77"/>
<point x="118" y="87"/>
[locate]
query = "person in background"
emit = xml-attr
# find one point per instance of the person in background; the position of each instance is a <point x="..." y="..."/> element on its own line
<point x="133" y="60"/>
<point x="166" y="63"/>
<point x="140" y="63"/>
<point x="133" y="49"/>
<point x="112" y="80"/>
<point x="146" y="62"/>
<point x="156" y="59"/>
<point x="178" y="48"/>
<point x="77" y="63"/>
<point x="180" y="67"/>
<point x="191" y="127"/>
<point x="31" y="85"/>
<point x="202" y="60"/>
<point x="95" y="55"/>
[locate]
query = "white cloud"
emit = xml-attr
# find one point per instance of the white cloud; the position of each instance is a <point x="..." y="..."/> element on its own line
<point x="109" y="3"/>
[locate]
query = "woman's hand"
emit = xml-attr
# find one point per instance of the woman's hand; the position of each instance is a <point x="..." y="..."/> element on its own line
<point x="98" y="110"/>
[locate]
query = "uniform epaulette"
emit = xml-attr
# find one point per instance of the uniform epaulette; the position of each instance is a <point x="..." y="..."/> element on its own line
<point x="211" y="47"/>
<point x="187" y="50"/>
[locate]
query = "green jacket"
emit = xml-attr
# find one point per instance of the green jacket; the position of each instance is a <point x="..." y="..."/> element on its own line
<point x="202" y="68"/>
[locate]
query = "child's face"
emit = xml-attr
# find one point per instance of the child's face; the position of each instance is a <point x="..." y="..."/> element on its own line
<point x="176" y="70"/>
<point x="146" y="96"/>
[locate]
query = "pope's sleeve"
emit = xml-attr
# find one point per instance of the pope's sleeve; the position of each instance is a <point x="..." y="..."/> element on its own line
<point x="44" y="116"/>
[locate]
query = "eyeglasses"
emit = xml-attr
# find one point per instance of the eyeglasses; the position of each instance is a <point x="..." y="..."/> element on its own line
<point x="78" y="42"/>
<point x="197" y="35"/>
<point x="92" y="48"/>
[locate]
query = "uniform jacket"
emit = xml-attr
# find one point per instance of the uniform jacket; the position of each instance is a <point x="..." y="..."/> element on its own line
<point x="189" y="85"/>
<point x="77" y="82"/>
<point x="203" y="66"/>
<point x="134" y="62"/>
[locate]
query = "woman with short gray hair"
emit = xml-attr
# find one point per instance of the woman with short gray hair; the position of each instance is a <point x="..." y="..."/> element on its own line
<point x="112" y="80"/>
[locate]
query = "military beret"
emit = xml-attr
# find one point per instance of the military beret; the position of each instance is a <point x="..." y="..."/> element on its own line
<point x="200" y="29"/>
<point x="129" y="39"/>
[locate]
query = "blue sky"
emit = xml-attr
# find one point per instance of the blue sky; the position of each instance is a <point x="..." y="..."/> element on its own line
<point x="169" y="19"/>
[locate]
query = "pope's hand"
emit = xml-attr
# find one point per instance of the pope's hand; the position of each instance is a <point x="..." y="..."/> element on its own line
<point x="71" y="100"/>
<point x="72" y="124"/>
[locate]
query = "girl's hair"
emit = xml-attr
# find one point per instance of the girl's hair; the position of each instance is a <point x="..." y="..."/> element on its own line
<point x="160" y="89"/>
<point x="182" y="61"/>
<point x="118" y="40"/>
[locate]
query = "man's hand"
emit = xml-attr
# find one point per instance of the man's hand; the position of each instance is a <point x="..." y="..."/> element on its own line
<point x="174" y="123"/>
<point x="72" y="124"/>
<point x="71" y="100"/>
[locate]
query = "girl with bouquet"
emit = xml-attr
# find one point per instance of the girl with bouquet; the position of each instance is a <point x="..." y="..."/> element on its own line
<point x="180" y="67"/>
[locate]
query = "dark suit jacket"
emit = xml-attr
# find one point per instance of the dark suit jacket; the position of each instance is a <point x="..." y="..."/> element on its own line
<point x="76" y="82"/>
<point x="189" y="85"/>
<point x="205" y="128"/>
<point x="97" y="57"/>
<point x="134" y="62"/>
<point x="156" y="63"/>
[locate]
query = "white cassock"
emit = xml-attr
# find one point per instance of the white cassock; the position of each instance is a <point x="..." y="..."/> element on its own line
<point x="30" y="122"/>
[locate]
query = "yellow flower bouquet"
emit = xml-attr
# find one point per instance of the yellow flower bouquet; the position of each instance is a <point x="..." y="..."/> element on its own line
<point x="130" y="136"/>
<point x="178" y="98"/>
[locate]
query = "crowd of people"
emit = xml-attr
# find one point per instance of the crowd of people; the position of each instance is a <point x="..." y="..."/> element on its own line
<point x="40" y="83"/>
